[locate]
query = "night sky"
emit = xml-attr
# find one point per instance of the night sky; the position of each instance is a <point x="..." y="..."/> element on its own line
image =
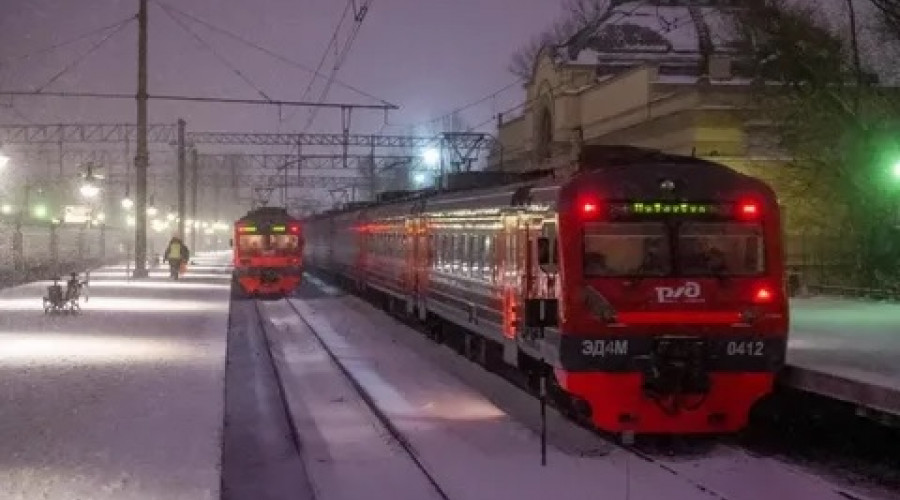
<point x="428" y="56"/>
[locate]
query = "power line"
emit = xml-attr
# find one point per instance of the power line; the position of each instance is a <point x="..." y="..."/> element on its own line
<point x="358" y="18"/>
<point x="87" y="54"/>
<point x="332" y="41"/>
<point x="70" y="41"/>
<point x="223" y="100"/>
<point x="466" y="106"/>
<point x="269" y="52"/>
<point x="218" y="56"/>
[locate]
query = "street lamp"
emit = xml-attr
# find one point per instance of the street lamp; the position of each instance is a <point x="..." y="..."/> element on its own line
<point x="432" y="157"/>
<point x="90" y="190"/>
<point x="40" y="211"/>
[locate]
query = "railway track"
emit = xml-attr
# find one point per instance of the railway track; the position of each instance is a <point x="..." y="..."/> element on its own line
<point x="665" y="454"/>
<point x="388" y="425"/>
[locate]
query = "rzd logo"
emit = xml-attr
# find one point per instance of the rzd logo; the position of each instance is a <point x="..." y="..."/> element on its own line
<point x="689" y="292"/>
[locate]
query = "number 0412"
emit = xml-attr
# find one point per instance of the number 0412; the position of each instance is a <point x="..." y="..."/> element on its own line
<point x="746" y="348"/>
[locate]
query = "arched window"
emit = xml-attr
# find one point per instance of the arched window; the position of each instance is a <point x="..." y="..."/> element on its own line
<point x="545" y="134"/>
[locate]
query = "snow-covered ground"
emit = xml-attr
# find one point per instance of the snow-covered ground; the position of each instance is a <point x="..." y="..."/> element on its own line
<point x="475" y="443"/>
<point x="855" y="339"/>
<point x="121" y="402"/>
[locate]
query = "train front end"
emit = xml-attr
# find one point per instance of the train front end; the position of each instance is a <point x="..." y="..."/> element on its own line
<point x="673" y="315"/>
<point x="268" y="254"/>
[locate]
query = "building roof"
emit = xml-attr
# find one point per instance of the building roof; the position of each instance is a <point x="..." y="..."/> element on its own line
<point x="677" y="35"/>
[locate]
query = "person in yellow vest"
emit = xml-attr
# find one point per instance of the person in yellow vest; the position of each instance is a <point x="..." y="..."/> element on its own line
<point x="177" y="254"/>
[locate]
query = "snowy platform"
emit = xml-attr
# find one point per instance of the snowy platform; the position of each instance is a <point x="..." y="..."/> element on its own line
<point x="846" y="349"/>
<point x="475" y="443"/>
<point x="123" y="401"/>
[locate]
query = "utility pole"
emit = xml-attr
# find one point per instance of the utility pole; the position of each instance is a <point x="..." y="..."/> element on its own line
<point x="195" y="174"/>
<point x="142" y="157"/>
<point x="182" y="179"/>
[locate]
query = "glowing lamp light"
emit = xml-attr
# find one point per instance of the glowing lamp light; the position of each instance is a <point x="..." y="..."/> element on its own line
<point x="40" y="211"/>
<point x="89" y="190"/>
<point x="152" y="211"/>
<point x="6" y="209"/>
<point x="171" y="217"/>
<point x="431" y="157"/>
<point x="589" y="208"/>
<point x="127" y="203"/>
<point x="101" y="217"/>
<point x="763" y="295"/>
<point x="4" y="160"/>
<point x="895" y="170"/>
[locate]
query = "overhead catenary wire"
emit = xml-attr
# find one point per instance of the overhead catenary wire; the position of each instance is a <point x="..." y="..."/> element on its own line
<point x="222" y="100"/>
<point x="213" y="51"/>
<point x="70" y="41"/>
<point x="78" y="60"/>
<point x="464" y="107"/>
<point x="339" y="62"/>
<point x="332" y="41"/>
<point x="358" y="18"/>
<point x="271" y="53"/>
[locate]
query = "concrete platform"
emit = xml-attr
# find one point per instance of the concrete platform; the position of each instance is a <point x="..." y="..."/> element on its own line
<point x="846" y="349"/>
<point x="123" y="401"/>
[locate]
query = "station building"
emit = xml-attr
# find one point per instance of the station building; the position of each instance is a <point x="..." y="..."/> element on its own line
<point x="666" y="75"/>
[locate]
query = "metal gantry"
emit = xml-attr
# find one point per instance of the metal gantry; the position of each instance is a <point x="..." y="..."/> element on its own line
<point x="350" y="163"/>
<point x="168" y="134"/>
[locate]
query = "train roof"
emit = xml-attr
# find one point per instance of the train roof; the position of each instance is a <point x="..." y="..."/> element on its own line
<point x="267" y="213"/>
<point x="629" y="171"/>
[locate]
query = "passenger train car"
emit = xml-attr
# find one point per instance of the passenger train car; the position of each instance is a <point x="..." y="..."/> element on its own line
<point x="649" y="285"/>
<point x="268" y="252"/>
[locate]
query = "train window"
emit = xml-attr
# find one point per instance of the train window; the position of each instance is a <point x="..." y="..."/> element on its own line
<point x="717" y="248"/>
<point x="627" y="249"/>
<point x="458" y="252"/>
<point x="251" y="245"/>
<point x="487" y="258"/>
<point x="477" y="255"/>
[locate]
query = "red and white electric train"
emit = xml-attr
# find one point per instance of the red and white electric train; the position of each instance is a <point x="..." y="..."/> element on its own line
<point x="650" y="285"/>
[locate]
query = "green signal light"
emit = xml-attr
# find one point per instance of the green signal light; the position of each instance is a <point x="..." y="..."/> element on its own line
<point x="895" y="169"/>
<point x="40" y="211"/>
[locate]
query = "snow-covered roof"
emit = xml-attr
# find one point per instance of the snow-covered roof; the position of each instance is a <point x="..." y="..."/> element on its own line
<point x="654" y="31"/>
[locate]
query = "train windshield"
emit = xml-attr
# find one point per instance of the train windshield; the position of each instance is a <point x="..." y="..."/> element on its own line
<point x="720" y="249"/>
<point x="268" y="244"/>
<point x="627" y="249"/>
<point x="648" y="249"/>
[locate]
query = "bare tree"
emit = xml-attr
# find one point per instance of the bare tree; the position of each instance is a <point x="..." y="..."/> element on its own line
<point x="889" y="11"/>
<point x="834" y="124"/>
<point x="576" y="16"/>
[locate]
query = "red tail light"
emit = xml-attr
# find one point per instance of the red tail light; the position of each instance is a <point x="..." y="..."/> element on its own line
<point x="295" y="229"/>
<point x="748" y="210"/>
<point x="763" y="295"/>
<point x="589" y="208"/>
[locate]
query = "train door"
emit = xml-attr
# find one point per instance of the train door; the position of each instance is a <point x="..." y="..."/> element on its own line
<point x="509" y="275"/>
<point x="424" y="253"/>
<point x="411" y="258"/>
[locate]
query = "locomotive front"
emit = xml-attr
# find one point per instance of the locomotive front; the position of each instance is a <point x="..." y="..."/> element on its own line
<point x="268" y="252"/>
<point x="673" y="315"/>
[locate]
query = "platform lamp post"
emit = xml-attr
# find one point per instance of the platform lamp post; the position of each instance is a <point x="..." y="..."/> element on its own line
<point x="18" y="250"/>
